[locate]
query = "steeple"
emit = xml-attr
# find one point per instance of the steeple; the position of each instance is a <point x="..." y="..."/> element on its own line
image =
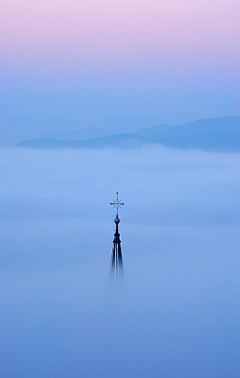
<point x="116" y="265"/>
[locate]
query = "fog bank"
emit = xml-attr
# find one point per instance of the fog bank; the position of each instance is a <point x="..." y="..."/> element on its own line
<point x="176" y="314"/>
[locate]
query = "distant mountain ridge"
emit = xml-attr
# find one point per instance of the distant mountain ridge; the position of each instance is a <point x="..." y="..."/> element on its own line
<point x="113" y="141"/>
<point x="218" y="134"/>
<point x="211" y="134"/>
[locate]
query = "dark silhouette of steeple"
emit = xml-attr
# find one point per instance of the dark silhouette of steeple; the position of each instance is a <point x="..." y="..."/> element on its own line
<point x="116" y="265"/>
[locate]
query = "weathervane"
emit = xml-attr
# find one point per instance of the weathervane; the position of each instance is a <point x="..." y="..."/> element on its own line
<point x="117" y="203"/>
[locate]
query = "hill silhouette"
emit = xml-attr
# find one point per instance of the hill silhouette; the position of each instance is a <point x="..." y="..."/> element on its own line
<point x="211" y="134"/>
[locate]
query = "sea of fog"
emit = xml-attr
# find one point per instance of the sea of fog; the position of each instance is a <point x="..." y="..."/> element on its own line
<point x="176" y="315"/>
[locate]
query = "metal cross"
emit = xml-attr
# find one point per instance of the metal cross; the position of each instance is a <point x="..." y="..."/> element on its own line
<point x="117" y="203"/>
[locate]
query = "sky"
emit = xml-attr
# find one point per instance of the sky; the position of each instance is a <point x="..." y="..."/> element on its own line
<point x="176" y="315"/>
<point x="69" y="64"/>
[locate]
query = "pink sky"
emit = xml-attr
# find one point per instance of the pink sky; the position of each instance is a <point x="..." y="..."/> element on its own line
<point x="119" y="33"/>
<point x="64" y="62"/>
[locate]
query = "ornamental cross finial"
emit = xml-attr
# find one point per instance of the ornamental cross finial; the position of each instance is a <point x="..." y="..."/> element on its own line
<point x="117" y="203"/>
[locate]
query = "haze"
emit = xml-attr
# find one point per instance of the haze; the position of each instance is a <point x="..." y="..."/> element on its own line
<point x="75" y="70"/>
<point x="175" y="316"/>
<point x="125" y="64"/>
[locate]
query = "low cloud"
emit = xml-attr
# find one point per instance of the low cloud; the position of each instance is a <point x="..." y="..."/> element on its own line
<point x="176" y="311"/>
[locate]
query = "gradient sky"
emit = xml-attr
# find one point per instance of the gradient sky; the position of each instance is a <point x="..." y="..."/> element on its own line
<point x="68" y="63"/>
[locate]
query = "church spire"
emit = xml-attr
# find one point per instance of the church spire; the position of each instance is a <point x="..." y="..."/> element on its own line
<point x="116" y="265"/>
